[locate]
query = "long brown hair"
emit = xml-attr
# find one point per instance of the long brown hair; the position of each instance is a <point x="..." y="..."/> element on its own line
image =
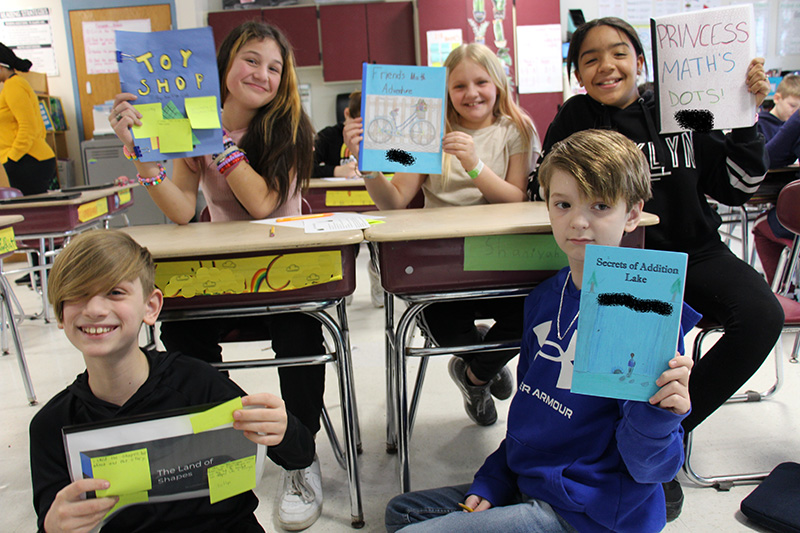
<point x="280" y="139"/>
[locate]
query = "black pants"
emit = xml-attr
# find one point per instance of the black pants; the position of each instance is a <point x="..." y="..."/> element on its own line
<point x="292" y="334"/>
<point x="32" y="176"/>
<point x="453" y="324"/>
<point x="726" y="289"/>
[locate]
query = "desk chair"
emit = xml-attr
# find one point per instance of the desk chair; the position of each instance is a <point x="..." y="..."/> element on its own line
<point x="789" y="216"/>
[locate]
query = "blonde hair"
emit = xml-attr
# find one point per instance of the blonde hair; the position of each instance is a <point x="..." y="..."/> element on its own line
<point x="789" y="86"/>
<point x="95" y="262"/>
<point x="604" y="163"/>
<point x="504" y="104"/>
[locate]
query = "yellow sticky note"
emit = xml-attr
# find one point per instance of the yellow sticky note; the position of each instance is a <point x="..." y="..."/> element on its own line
<point x="128" y="472"/>
<point x="231" y="478"/>
<point x="7" y="241"/>
<point x="203" y="112"/>
<point x="151" y="114"/>
<point x="216" y="416"/>
<point x="174" y="135"/>
<point x="128" y="499"/>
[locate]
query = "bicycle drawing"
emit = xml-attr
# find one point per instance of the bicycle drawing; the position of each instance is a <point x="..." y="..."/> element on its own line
<point x="421" y="131"/>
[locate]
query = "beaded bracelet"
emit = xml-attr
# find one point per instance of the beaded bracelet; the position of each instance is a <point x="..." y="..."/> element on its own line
<point x="128" y="155"/>
<point x="230" y="157"/>
<point x="153" y="180"/>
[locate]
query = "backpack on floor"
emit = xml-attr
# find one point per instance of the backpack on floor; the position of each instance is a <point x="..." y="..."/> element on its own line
<point x="775" y="503"/>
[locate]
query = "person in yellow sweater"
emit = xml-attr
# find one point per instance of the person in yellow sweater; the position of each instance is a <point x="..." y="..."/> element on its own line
<point x="27" y="158"/>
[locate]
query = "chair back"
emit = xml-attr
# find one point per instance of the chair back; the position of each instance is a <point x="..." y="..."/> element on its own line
<point x="9" y="192"/>
<point x="788" y="207"/>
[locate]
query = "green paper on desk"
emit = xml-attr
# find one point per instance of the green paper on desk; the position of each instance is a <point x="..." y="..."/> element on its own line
<point x="216" y="416"/>
<point x="231" y="478"/>
<point x="127" y="472"/>
<point x="203" y="112"/>
<point x="513" y="252"/>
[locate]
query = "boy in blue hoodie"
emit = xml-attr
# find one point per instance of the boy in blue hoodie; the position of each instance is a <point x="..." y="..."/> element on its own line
<point x="572" y="462"/>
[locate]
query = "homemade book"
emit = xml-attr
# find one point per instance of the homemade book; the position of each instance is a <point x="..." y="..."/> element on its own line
<point x="174" y="76"/>
<point x="629" y="321"/>
<point x="700" y="61"/>
<point x="403" y="116"/>
<point x="160" y="457"/>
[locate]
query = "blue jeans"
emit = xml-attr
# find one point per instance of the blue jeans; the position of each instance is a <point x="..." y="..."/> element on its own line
<point x="437" y="510"/>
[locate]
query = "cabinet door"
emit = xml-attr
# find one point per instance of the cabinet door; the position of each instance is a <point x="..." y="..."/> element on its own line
<point x="390" y="33"/>
<point x="344" y="41"/>
<point x="299" y="25"/>
<point x="222" y="22"/>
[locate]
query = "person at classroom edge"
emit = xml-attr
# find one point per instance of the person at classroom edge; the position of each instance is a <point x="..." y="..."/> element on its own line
<point x="490" y="146"/>
<point x="781" y="128"/>
<point x="607" y="56"/>
<point x="28" y="160"/>
<point x="262" y="113"/>
<point x="572" y="462"/>
<point x="332" y="157"/>
<point x="101" y="288"/>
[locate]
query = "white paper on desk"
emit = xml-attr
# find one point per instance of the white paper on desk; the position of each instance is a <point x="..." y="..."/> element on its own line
<point x="333" y="222"/>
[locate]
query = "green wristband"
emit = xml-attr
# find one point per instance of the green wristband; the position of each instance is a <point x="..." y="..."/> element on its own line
<point x="475" y="172"/>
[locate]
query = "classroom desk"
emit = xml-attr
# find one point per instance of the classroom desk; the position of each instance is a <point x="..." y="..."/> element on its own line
<point x="336" y="194"/>
<point x="230" y="241"/>
<point x="7" y="247"/>
<point x="421" y="261"/>
<point x="48" y="220"/>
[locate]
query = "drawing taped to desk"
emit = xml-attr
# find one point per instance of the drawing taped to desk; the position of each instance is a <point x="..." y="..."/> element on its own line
<point x="403" y="116"/>
<point x="629" y="321"/>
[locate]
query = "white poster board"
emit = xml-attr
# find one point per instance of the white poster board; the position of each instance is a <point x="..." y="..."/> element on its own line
<point x="539" y="59"/>
<point x="99" y="42"/>
<point x="29" y="33"/>
<point x="701" y="61"/>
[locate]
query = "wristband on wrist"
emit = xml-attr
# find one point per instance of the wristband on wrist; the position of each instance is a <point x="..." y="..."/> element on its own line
<point x="153" y="180"/>
<point x="475" y="172"/>
<point x="128" y="155"/>
<point x="230" y="157"/>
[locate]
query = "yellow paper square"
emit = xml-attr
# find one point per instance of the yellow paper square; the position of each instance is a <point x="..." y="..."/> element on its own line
<point x="128" y="472"/>
<point x="7" y="241"/>
<point x="128" y="499"/>
<point x="175" y="135"/>
<point x="151" y="114"/>
<point x="216" y="416"/>
<point x="231" y="478"/>
<point x="203" y="112"/>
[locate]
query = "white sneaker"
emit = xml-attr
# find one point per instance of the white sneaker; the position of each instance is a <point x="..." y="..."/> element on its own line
<point x="300" y="497"/>
<point x="375" y="289"/>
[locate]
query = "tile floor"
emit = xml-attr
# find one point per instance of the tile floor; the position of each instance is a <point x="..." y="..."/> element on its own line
<point x="446" y="447"/>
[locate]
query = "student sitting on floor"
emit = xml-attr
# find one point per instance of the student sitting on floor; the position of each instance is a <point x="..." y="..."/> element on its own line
<point x="600" y="467"/>
<point x="102" y="290"/>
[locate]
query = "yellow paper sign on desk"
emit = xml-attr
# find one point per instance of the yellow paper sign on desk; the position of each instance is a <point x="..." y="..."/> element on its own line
<point x="124" y="196"/>
<point x="92" y="210"/>
<point x="127" y="472"/>
<point x="347" y="198"/>
<point x="269" y="273"/>
<point x="7" y="241"/>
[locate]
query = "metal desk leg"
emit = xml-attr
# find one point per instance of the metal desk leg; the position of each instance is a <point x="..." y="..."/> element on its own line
<point x="391" y="397"/>
<point x="341" y="310"/>
<point x="23" y="365"/>
<point x="346" y="396"/>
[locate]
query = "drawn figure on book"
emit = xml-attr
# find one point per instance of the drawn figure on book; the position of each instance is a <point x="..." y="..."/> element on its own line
<point x="404" y="123"/>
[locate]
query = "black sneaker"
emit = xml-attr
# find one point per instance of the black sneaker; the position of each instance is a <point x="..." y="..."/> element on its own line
<point x="502" y="385"/>
<point x="24" y="280"/>
<point x="478" y="401"/>
<point x="673" y="495"/>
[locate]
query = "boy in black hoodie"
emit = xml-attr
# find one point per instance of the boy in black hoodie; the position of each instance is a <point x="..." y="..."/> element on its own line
<point x="102" y="290"/>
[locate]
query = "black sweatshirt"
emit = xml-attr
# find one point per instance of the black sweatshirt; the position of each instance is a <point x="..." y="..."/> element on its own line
<point x="684" y="167"/>
<point x="175" y="381"/>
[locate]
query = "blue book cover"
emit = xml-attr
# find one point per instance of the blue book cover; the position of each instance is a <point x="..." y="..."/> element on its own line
<point x="630" y="313"/>
<point x="174" y="75"/>
<point x="403" y="115"/>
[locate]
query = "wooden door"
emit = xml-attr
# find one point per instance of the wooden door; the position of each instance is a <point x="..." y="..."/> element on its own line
<point x="343" y="30"/>
<point x="390" y="32"/>
<point x="97" y="88"/>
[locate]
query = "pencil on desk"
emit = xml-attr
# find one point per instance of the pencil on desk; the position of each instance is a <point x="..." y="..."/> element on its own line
<point x="272" y="231"/>
<point x="304" y="217"/>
